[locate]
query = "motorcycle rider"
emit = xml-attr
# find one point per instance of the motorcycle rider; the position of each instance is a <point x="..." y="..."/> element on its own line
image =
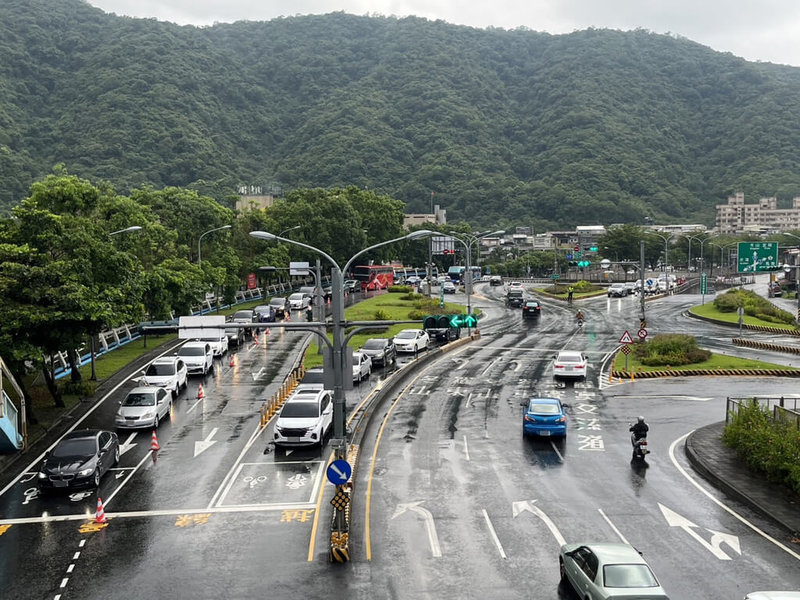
<point x="579" y="318"/>
<point x="639" y="429"/>
<point x="638" y="433"/>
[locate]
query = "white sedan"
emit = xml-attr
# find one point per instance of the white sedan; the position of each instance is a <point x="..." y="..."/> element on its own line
<point x="569" y="363"/>
<point x="411" y="340"/>
<point x="362" y="367"/>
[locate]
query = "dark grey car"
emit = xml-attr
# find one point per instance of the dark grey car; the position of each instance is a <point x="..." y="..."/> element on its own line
<point x="380" y="350"/>
<point x="79" y="460"/>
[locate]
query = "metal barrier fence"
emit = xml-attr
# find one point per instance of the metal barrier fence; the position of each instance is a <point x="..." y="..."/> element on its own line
<point x="782" y="408"/>
<point x="269" y="408"/>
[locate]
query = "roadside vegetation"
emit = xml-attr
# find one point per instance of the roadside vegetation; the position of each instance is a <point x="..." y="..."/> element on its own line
<point x="757" y="310"/>
<point x="767" y="446"/>
<point x="581" y="289"/>
<point x="400" y="304"/>
<point x="680" y="352"/>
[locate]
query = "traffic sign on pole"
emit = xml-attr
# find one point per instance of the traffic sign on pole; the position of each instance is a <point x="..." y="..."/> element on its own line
<point x="642" y="333"/>
<point x="626" y="338"/>
<point x="339" y="472"/>
<point x="757" y="257"/>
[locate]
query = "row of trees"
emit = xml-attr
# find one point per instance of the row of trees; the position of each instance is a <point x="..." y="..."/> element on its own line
<point x="69" y="268"/>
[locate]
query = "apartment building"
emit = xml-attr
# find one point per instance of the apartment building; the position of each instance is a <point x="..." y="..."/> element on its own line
<point x="736" y="216"/>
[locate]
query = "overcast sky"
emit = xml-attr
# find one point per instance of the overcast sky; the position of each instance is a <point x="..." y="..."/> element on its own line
<point x="762" y="30"/>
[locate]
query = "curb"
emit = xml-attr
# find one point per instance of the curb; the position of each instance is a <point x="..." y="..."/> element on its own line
<point x="706" y="373"/>
<point x="707" y="472"/>
<point x="765" y="346"/>
<point x="778" y="330"/>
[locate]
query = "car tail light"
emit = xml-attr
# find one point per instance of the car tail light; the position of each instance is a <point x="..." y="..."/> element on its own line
<point x="530" y="419"/>
<point x="559" y="366"/>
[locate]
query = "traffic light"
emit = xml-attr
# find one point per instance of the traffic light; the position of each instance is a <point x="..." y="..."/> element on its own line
<point x="593" y="249"/>
<point x="448" y="321"/>
<point x="463" y="321"/>
<point x="584" y="263"/>
<point x="573" y="263"/>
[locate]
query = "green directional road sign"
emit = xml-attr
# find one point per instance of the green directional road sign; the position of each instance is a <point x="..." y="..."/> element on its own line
<point x="703" y="283"/>
<point x="756" y="257"/>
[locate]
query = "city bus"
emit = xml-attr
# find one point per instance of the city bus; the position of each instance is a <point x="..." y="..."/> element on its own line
<point x="374" y="277"/>
<point x="456" y="273"/>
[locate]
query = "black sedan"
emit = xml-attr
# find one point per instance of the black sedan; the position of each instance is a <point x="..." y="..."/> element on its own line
<point x="531" y="310"/>
<point x="380" y="350"/>
<point x="79" y="460"/>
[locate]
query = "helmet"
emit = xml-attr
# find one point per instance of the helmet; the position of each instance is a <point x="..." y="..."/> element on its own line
<point x="641" y="419"/>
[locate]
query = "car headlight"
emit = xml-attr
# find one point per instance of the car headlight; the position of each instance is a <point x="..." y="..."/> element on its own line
<point x="149" y="414"/>
<point x="85" y="472"/>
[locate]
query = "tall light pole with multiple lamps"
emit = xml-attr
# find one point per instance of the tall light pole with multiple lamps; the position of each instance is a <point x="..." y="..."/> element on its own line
<point x="202" y="235"/>
<point x="666" y="239"/>
<point x="468" y="243"/>
<point x="338" y="324"/>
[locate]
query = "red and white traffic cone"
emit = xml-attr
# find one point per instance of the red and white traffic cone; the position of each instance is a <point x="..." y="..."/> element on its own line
<point x="255" y="340"/>
<point x="154" y="442"/>
<point x="233" y="361"/>
<point x="100" y="516"/>
<point x="200" y="393"/>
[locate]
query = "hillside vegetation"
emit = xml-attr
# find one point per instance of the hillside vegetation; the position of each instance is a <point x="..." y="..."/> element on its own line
<point x="505" y="127"/>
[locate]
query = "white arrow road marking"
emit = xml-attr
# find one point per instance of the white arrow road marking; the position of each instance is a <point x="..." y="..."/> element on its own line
<point x="339" y="472"/>
<point x="717" y="539"/>
<point x="205" y="444"/>
<point x="123" y="448"/>
<point x="433" y="539"/>
<point x="520" y="507"/>
<point x="257" y="375"/>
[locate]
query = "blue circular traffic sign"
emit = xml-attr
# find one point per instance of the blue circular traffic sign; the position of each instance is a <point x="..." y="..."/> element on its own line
<point x="339" y="472"/>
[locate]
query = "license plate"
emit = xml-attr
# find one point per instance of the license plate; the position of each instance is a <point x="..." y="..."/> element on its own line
<point x="59" y="483"/>
<point x="294" y="439"/>
<point x="545" y="432"/>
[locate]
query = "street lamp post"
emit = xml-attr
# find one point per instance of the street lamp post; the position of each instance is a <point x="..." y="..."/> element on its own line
<point x="338" y="324"/>
<point x="666" y="239"/>
<point x="289" y="229"/>
<point x="202" y="235"/>
<point x="126" y="230"/>
<point x="471" y="239"/>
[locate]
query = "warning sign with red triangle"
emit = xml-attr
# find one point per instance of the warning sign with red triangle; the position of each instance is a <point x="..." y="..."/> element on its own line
<point x="626" y="338"/>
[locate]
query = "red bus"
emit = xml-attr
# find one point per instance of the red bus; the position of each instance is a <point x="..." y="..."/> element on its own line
<point x="374" y="277"/>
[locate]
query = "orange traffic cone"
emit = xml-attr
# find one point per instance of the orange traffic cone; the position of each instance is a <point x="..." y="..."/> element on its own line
<point x="200" y="393"/>
<point x="154" y="442"/>
<point x="100" y="517"/>
<point x="233" y="361"/>
<point x="255" y="340"/>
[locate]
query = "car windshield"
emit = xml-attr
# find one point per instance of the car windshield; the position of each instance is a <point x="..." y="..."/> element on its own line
<point x="261" y="309"/>
<point x="139" y="399"/>
<point x="296" y="297"/>
<point x="542" y="408"/>
<point x="191" y="351"/>
<point x="160" y="370"/>
<point x="628" y="576"/>
<point x="277" y="302"/>
<point x="532" y="304"/>
<point x="406" y="335"/>
<point x="569" y="358"/>
<point x="242" y="314"/>
<point x="373" y="344"/>
<point x="76" y="447"/>
<point x="300" y="410"/>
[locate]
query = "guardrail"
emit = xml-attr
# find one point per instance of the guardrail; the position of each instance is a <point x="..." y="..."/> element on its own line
<point x="779" y="406"/>
<point x="269" y="408"/>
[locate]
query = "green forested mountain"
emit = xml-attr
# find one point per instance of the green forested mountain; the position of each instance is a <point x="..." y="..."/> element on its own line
<point x="503" y="126"/>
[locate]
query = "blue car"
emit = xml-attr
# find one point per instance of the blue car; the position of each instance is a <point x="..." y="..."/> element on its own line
<point x="544" y="417"/>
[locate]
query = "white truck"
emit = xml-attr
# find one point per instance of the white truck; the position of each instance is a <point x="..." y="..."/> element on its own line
<point x="207" y="328"/>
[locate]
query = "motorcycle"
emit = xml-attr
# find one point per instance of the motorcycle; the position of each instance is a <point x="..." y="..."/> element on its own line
<point x="639" y="447"/>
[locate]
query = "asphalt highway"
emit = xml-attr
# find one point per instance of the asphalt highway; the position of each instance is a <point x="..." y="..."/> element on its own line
<point x="450" y="501"/>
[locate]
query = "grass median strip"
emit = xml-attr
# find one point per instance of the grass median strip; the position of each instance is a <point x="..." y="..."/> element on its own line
<point x="709" y="311"/>
<point x="717" y="361"/>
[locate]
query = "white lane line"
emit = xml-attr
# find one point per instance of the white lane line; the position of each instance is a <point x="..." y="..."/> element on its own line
<point x="617" y="531"/>
<point x="227" y="480"/>
<point x="466" y="448"/>
<point x="124" y="481"/>
<point x="494" y="534"/>
<point x="555" y="449"/>
<point x="490" y="365"/>
<point x="64" y="582"/>
<point x="102" y="400"/>
<point x="82" y="544"/>
<point x="469" y="398"/>
<point x="193" y="406"/>
<point x="719" y="503"/>
<point x="70" y="568"/>
<point x="77" y="556"/>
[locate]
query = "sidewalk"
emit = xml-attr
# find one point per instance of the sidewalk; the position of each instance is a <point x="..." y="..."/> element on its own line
<point x="44" y="440"/>
<point x="719" y="465"/>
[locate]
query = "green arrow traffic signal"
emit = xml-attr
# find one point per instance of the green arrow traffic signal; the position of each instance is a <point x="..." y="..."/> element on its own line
<point x="463" y="321"/>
